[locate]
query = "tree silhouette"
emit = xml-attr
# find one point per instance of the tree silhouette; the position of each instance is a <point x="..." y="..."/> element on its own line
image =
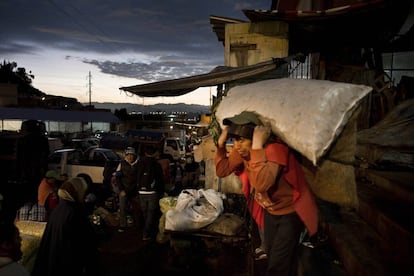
<point x="10" y="73"/>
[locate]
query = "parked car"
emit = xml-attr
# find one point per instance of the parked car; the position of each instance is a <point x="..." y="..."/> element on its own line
<point x="82" y="143"/>
<point x="89" y="164"/>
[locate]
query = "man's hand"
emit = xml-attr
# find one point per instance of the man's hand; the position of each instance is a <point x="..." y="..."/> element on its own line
<point x="122" y="193"/>
<point x="260" y="136"/>
<point x="221" y="143"/>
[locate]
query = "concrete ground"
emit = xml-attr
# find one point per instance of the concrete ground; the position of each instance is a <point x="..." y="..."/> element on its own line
<point x="126" y="254"/>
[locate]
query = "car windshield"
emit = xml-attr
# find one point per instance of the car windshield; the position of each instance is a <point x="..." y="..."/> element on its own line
<point x="112" y="156"/>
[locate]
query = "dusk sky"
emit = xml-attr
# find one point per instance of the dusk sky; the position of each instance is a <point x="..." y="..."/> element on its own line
<point x="121" y="43"/>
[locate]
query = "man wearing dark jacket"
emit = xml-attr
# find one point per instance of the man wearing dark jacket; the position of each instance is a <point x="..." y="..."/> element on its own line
<point x="128" y="192"/>
<point x="151" y="189"/>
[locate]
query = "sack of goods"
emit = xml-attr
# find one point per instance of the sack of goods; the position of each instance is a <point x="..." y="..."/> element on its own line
<point x="308" y="115"/>
<point x="195" y="209"/>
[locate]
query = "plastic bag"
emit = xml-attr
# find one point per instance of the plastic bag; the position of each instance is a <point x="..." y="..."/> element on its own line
<point x="194" y="209"/>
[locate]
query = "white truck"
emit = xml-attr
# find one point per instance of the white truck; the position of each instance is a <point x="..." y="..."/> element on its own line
<point x="170" y="147"/>
<point x="89" y="164"/>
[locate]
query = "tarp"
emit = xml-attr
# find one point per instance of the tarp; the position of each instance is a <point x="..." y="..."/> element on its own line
<point x="7" y="113"/>
<point x="220" y="75"/>
<point x="390" y="142"/>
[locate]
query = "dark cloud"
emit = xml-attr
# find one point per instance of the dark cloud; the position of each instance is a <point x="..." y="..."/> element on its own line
<point x="176" y="33"/>
<point x="150" y="72"/>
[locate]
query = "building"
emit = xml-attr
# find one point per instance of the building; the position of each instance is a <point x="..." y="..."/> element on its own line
<point x="346" y="41"/>
<point x="60" y="114"/>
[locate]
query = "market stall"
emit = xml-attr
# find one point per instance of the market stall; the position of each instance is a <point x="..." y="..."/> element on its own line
<point x="199" y="231"/>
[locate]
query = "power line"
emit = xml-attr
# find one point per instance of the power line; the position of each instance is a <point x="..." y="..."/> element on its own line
<point x="85" y="27"/>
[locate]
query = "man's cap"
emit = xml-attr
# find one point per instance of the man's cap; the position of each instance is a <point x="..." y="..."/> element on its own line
<point x="130" y="150"/>
<point x="52" y="174"/>
<point x="243" y="118"/>
<point x="242" y="125"/>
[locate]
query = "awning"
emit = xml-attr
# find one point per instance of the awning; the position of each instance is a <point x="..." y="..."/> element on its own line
<point x="57" y="115"/>
<point x="220" y="75"/>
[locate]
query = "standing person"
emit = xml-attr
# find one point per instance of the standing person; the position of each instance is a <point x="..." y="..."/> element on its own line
<point x="47" y="198"/>
<point x="69" y="244"/>
<point x="165" y="165"/>
<point x="151" y="189"/>
<point x="177" y="172"/>
<point x="32" y="151"/>
<point x="278" y="183"/>
<point x="191" y="171"/>
<point x="127" y="184"/>
<point x="108" y="171"/>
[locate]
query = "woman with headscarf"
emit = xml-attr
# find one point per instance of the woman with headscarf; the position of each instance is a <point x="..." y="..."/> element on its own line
<point x="69" y="243"/>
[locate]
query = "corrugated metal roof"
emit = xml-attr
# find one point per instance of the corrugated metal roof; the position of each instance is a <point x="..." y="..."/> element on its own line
<point x="7" y="113"/>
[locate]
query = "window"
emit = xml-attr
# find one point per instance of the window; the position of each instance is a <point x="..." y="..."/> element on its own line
<point x="74" y="157"/>
<point x="172" y="143"/>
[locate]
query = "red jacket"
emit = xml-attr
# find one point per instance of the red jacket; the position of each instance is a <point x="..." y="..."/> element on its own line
<point x="261" y="174"/>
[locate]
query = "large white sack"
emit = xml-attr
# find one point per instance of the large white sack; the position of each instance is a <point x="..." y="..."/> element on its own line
<point x="195" y="209"/>
<point x="308" y="115"/>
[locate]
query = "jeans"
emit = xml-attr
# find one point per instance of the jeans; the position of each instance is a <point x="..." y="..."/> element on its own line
<point x="150" y="208"/>
<point x="124" y="203"/>
<point x="282" y="234"/>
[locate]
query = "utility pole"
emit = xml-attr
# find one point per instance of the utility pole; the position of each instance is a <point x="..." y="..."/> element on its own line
<point x="90" y="97"/>
<point x="90" y="90"/>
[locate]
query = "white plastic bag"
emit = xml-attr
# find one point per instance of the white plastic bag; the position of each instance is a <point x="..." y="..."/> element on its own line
<point x="194" y="209"/>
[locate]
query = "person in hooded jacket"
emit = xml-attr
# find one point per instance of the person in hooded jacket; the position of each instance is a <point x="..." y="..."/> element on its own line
<point x="151" y="190"/>
<point x="127" y="177"/>
<point x="69" y="245"/>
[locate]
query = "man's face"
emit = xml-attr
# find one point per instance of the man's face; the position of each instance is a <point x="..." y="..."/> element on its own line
<point x="130" y="158"/>
<point x="243" y="146"/>
<point x="51" y="181"/>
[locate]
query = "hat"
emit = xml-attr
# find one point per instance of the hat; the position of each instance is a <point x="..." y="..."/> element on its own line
<point x="73" y="189"/>
<point x="130" y="150"/>
<point x="242" y="125"/>
<point x="52" y="174"/>
<point x="243" y="118"/>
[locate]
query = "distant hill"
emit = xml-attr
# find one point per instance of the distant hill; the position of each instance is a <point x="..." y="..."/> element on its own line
<point x="181" y="107"/>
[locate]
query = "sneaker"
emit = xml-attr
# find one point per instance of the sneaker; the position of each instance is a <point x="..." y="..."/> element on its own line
<point x="130" y="220"/>
<point x="308" y="244"/>
<point x="146" y="238"/>
<point x="259" y="254"/>
<point x="121" y="229"/>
